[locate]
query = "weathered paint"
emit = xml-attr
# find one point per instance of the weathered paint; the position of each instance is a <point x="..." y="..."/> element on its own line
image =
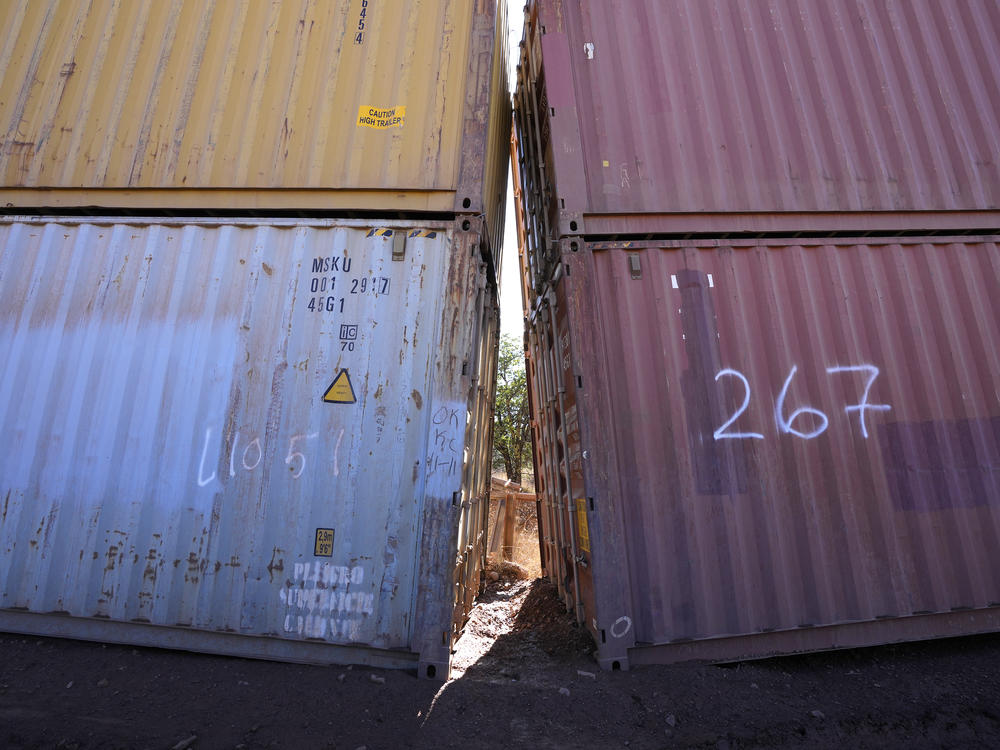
<point x="231" y="104"/>
<point x="782" y="444"/>
<point x="168" y="457"/>
<point x="721" y="116"/>
<point x="748" y="442"/>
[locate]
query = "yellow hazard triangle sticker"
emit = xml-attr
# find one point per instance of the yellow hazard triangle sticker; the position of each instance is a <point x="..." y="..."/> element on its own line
<point x="340" y="391"/>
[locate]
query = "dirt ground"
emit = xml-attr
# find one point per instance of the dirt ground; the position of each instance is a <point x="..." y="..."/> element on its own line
<point x="523" y="677"/>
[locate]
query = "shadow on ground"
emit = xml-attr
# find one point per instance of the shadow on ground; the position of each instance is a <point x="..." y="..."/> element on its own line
<point x="527" y="680"/>
<point x="538" y="686"/>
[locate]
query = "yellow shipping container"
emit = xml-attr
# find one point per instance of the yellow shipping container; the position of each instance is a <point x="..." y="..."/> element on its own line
<point x="253" y="104"/>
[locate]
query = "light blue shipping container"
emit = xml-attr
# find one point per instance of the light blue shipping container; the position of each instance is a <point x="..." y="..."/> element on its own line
<point x="260" y="438"/>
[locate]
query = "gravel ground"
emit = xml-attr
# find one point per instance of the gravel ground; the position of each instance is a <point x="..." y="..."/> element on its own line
<point x="523" y="676"/>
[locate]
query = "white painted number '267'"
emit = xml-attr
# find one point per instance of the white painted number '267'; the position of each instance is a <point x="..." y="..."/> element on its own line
<point x="786" y="424"/>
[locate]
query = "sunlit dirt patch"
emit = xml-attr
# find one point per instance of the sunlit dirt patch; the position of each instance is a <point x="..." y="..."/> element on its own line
<point x="520" y="628"/>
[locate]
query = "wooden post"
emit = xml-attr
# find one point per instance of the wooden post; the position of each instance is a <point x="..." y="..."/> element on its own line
<point x="496" y="533"/>
<point x="509" y="526"/>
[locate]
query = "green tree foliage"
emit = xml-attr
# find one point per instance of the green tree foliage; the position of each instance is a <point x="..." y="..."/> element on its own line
<point x="511" y="422"/>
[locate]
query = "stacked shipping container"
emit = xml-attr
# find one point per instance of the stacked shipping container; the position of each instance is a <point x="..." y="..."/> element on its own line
<point x="759" y="244"/>
<point x="248" y="310"/>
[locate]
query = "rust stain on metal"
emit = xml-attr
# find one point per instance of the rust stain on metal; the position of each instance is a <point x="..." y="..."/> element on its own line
<point x="275" y="565"/>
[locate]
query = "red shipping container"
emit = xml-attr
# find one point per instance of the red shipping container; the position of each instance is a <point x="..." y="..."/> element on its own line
<point x="759" y="244"/>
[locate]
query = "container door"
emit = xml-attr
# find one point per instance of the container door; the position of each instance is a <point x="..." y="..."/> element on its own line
<point x="218" y="427"/>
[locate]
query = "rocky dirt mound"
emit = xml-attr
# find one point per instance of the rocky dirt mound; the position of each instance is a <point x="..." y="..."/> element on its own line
<point x="517" y="627"/>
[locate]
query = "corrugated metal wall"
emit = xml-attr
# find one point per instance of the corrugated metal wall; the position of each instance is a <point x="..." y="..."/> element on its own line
<point x="228" y="93"/>
<point x="709" y="106"/>
<point x="258" y="426"/>
<point x="778" y="436"/>
<point x="185" y="409"/>
<point x="252" y="105"/>
<point x="748" y="442"/>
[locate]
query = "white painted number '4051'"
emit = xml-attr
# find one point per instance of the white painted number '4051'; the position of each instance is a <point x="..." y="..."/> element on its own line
<point x="786" y="424"/>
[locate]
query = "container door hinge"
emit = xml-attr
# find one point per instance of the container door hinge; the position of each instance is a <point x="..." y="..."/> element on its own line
<point x="465" y="367"/>
<point x="398" y="245"/>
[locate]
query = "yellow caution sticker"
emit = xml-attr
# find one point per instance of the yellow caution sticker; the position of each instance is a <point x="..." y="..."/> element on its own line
<point x="381" y="118"/>
<point x="340" y="391"/>
<point x="423" y="233"/>
<point x="582" y="530"/>
<point x="379" y="232"/>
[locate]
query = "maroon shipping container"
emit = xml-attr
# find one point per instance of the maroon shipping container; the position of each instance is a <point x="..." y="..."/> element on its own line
<point x="794" y="442"/>
<point x="759" y="242"/>
<point x="732" y="115"/>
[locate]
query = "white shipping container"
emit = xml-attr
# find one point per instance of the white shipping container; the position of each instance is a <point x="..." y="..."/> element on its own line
<point x="243" y="437"/>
